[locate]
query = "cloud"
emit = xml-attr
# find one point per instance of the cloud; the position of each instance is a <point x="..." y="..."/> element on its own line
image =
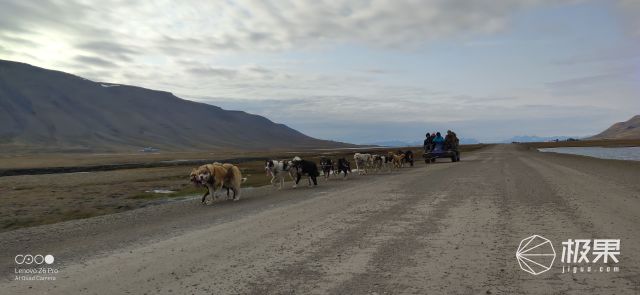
<point x="282" y="58"/>
<point x="363" y="120"/>
<point x="162" y="29"/>
<point x="96" y="61"/>
<point x="123" y="30"/>
<point x="611" y="54"/>
<point x="110" y="49"/>
<point x="217" y="72"/>
<point x="623" y="80"/>
<point x="5" y="50"/>
<point x="17" y="40"/>
<point x="373" y="109"/>
<point x="631" y="9"/>
<point x="257" y="25"/>
<point x="29" y="17"/>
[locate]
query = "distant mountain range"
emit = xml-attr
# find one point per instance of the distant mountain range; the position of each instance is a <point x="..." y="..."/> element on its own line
<point x="45" y="110"/>
<point x="400" y="143"/>
<point x="395" y="143"/>
<point x="622" y="130"/>
<point x="527" y="138"/>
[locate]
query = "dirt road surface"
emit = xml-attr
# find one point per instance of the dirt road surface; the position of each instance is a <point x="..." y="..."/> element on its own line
<point x="449" y="228"/>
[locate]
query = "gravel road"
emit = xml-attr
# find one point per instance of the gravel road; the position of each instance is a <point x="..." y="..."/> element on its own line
<point x="443" y="229"/>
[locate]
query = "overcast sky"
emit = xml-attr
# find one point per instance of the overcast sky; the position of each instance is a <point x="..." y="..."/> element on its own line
<point x="356" y="71"/>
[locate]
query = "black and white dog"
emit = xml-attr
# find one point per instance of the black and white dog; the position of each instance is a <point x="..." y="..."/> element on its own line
<point x="380" y="163"/>
<point x="376" y="162"/>
<point x="277" y="170"/>
<point x="327" y="167"/>
<point x="304" y="167"/>
<point x="343" y="166"/>
<point x="387" y="163"/>
<point x="408" y="157"/>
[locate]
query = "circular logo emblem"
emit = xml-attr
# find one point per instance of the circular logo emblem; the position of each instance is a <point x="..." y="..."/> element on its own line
<point x="535" y="254"/>
<point x="49" y="259"/>
<point x="33" y="259"/>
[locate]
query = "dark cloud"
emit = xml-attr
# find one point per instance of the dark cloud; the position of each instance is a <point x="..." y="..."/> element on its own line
<point x="31" y="16"/>
<point x="95" y="61"/>
<point x="106" y="46"/>
<point x="591" y="80"/>
<point x="259" y="37"/>
<point x="481" y="100"/>
<point x="376" y="71"/>
<point x="184" y="45"/>
<point x="622" y="54"/>
<point x="110" y="49"/>
<point x="215" y="72"/>
<point x="264" y="73"/>
<point x="261" y="70"/>
<point x="17" y="40"/>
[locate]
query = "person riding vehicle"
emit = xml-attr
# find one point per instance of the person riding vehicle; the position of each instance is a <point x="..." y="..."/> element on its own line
<point x="438" y="139"/>
<point x="428" y="141"/>
<point x="450" y="140"/>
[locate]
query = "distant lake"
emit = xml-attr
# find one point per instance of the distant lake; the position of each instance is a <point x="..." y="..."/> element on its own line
<point x="615" y="153"/>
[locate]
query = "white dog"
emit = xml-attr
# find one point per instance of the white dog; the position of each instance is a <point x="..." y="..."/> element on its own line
<point x="362" y="160"/>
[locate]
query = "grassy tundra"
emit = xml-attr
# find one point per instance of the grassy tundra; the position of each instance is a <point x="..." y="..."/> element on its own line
<point x="29" y="200"/>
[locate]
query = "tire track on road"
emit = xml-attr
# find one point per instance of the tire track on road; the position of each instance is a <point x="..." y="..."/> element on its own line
<point x="350" y="249"/>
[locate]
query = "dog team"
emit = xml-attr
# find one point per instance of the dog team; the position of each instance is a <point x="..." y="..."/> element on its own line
<point x="217" y="176"/>
<point x="388" y="162"/>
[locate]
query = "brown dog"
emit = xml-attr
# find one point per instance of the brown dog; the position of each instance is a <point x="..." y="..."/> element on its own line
<point x="397" y="160"/>
<point x="217" y="176"/>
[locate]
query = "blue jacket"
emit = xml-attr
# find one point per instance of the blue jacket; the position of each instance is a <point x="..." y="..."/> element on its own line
<point x="438" y="139"/>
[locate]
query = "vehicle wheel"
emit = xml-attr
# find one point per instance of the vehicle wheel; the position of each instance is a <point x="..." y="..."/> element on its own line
<point x="453" y="159"/>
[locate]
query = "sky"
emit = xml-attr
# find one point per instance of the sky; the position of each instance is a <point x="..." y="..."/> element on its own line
<point x="354" y="70"/>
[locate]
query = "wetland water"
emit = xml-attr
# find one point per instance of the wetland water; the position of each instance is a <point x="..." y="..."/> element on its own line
<point x="615" y="153"/>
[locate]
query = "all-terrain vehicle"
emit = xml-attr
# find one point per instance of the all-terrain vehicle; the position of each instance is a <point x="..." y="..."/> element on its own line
<point x="439" y="150"/>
